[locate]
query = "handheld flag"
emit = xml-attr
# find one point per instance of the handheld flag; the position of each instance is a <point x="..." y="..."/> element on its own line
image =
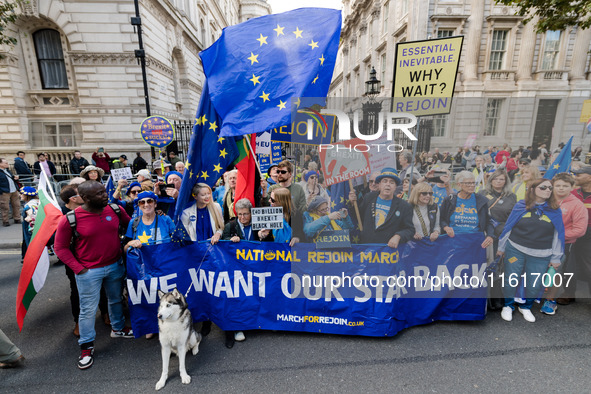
<point x="208" y="157"/>
<point x="246" y="166"/>
<point x="110" y="189"/>
<point x="255" y="68"/>
<point x="36" y="262"/>
<point x="562" y="162"/>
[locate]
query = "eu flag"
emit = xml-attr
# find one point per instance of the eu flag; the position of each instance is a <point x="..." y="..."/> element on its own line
<point x="110" y="186"/>
<point x="255" y="68"/>
<point x="209" y="154"/>
<point x="562" y="162"/>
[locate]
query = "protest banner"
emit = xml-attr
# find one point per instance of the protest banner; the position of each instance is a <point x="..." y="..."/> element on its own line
<point x="343" y="162"/>
<point x="267" y="218"/>
<point x="121" y="173"/>
<point x="263" y="142"/>
<point x="425" y="75"/>
<point x="266" y="285"/>
<point x="157" y="131"/>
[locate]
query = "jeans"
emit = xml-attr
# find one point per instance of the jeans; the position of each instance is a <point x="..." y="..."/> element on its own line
<point x="89" y="288"/>
<point x="533" y="267"/>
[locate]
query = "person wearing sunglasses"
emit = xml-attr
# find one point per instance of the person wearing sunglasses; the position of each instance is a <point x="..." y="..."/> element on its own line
<point x="533" y="239"/>
<point x="149" y="228"/>
<point x="466" y="211"/>
<point x="285" y="179"/>
<point x="312" y="187"/>
<point x="425" y="212"/>
<point x="130" y="195"/>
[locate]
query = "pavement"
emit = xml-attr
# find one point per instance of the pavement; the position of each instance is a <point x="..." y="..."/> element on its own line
<point x="11" y="236"/>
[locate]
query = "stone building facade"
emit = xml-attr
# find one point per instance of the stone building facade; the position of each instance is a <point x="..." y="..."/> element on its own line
<point x="514" y="85"/>
<point x="73" y="81"/>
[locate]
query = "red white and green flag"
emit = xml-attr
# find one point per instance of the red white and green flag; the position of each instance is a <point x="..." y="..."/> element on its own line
<point x="36" y="262"/>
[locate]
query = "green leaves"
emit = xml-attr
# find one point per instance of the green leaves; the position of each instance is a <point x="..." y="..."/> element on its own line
<point x="553" y="14"/>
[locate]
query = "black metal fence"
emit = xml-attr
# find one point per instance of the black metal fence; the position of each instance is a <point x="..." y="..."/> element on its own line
<point x="183" y="129"/>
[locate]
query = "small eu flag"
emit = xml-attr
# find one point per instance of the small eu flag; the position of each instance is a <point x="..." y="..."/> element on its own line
<point x="562" y="161"/>
<point x="209" y="154"/>
<point x="256" y="68"/>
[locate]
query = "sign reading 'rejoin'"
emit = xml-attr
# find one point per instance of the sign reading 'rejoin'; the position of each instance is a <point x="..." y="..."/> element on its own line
<point x="425" y="75"/>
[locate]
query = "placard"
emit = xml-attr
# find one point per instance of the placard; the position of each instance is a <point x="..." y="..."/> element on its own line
<point x="425" y="75"/>
<point x="343" y="162"/>
<point x="157" y="131"/>
<point x="121" y="173"/>
<point x="263" y="142"/>
<point x="330" y="239"/>
<point x="270" y="218"/>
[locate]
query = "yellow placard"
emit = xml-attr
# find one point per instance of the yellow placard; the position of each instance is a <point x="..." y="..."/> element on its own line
<point x="425" y="75"/>
<point x="585" y="112"/>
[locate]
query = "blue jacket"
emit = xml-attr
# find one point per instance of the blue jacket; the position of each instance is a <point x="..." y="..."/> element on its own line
<point x="22" y="167"/>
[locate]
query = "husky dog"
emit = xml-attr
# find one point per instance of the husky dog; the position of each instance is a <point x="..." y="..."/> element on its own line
<point x="176" y="333"/>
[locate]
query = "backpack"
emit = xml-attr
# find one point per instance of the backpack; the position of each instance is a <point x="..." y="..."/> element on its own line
<point x="71" y="216"/>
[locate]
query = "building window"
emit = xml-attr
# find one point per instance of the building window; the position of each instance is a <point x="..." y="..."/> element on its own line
<point x="444" y="33"/>
<point x="493" y="114"/>
<point x="498" y="49"/>
<point x="55" y="134"/>
<point x="439" y="125"/>
<point x="50" y="58"/>
<point x="551" y="48"/>
<point x="383" y="68"/>
<point x="385" y="18"/>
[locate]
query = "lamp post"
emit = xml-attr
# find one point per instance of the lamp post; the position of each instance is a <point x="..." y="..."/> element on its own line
<point x="140" y="54"/>
<point x="371" y="108"/>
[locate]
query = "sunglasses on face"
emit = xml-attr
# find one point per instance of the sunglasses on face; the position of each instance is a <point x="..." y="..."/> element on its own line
<point x="313" y="176"/>
<point x="147" y="201"/>
<point x="282" y="171"/>
<point x="134" y="192"/>
<point x="426" y="193"/>
<point x="272" y="199"/>
<point x="545" y="187"/>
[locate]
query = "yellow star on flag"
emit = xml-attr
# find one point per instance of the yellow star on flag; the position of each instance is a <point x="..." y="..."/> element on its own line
<point x="145" y="239"/>
<point x="190" y="174"/>
<point x="217" y="168"/>
<point x="187" y="164"/>
<point x="221" y="139"/>
<point x="265" y="96"/>
<point x="279" y="30"/>
<point x="355" y="239"/>
<point x="281" y="105"/>
<point x="556" y="166"/>
<point x="315" y="79"/>
<point x="313" y="44"/>
<point x="298" y="102"/>
<point x="204" y="175"/>
<point x="262" y="39"/>
<point x="198" y="120"/>
<point x="342" y="200"/>
<point x="298" y="32"/>
<point x="322" y="59"/>
<point x="203" y="120"/>
<point x="254" y="80"/>
<point x="253" y="58"/>
<point x="332" y="204"/>
<point x="223" y="153"/>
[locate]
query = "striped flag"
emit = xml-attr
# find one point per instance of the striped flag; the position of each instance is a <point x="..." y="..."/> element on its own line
<point x="36" y="262"/>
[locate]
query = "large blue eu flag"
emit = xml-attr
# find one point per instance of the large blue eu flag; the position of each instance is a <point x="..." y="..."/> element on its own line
<point x="209" y="154"/>
<point x="256" y="68"/>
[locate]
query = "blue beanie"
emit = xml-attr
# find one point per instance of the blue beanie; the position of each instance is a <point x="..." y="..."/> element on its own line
<point x="308" y="174"/>
<point x="133" y="184"/>
<point x="172" y="173"/>
<point x="28" y="191"/>
<point x="147" y="194"/>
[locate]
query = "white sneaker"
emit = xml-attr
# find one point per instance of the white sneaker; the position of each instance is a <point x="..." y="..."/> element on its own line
<point x="519" y="300"/>
<point x="507" y="313"/>
<point x="239" y="336"/>
<point x="527" y="315"/>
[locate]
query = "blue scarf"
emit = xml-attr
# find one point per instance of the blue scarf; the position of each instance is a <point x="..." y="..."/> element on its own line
<point x="555" y="216"/>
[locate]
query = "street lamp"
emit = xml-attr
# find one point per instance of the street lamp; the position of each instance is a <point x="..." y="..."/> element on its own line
<point x="373" y="85"/>
<point x="371" y="108"/>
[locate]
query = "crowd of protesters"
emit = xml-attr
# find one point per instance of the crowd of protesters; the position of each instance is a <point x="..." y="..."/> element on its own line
<point x="530" y="222"/>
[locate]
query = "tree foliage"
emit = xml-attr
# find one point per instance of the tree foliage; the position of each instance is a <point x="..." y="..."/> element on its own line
<point x="553" y="14"/>
<point x="8" y="15"/>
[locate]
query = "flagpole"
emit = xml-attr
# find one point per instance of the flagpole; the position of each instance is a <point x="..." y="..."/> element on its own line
<point x="253" y="155"/>
<point x="48" y="184"/>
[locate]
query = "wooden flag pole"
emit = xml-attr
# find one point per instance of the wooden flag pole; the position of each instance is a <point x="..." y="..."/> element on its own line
<point x="253" y="155"/>
<point x="356" y="207"/>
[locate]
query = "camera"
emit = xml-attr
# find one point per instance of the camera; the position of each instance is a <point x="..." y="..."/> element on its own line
<point x="163" y="186"/>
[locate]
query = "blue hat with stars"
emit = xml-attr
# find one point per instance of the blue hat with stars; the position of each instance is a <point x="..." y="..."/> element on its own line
<point x="388" y="172"/>
<point x="147" y="194"/>
<point x="28" y="191"/>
